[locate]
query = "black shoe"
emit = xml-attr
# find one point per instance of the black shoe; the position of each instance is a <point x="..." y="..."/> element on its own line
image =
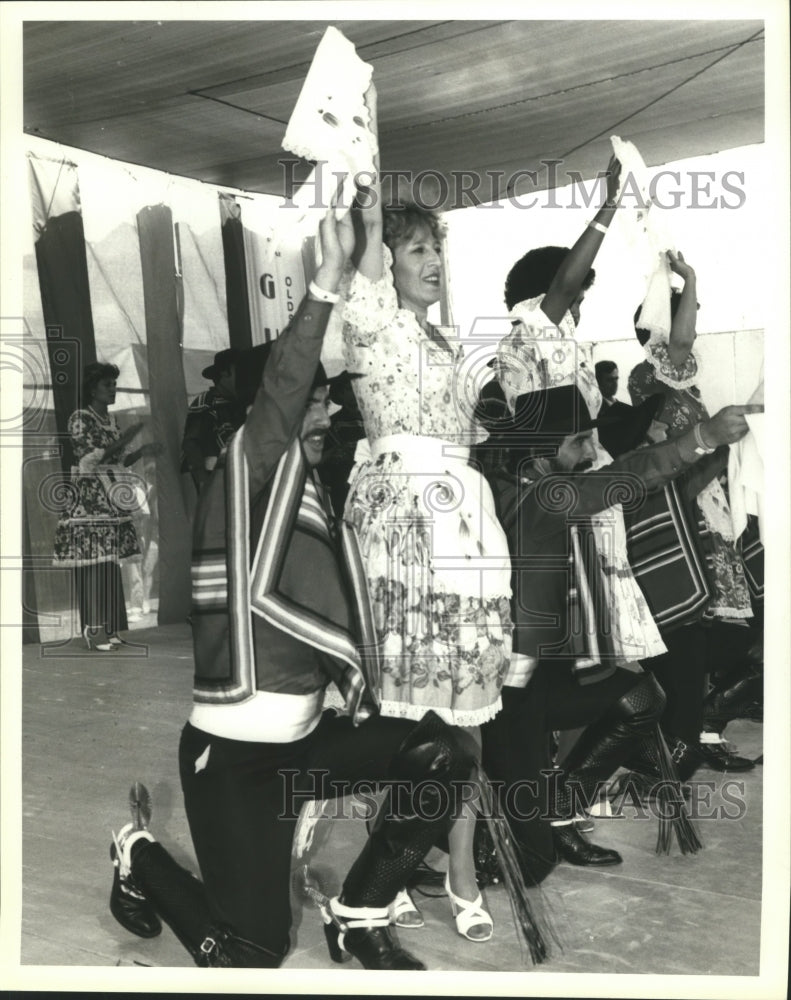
<point x="571" y="846"/>
<point x="127" y="903"/>
<point x="365" y="939"/>
<point x="717" y="757"/>
<point x="129" y="906"/>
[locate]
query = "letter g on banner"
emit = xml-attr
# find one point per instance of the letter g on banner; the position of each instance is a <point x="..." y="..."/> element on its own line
<point x="267" y="286"/>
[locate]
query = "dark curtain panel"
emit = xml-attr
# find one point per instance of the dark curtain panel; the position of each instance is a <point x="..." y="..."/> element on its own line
<point x="239" y="328"/>
<point x="66" y="304"/>
<point x="168" y="406"/>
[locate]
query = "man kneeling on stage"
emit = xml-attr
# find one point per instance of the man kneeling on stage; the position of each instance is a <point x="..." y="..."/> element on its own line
<point x="565" y="672"/>
<point x="279" y="610"/>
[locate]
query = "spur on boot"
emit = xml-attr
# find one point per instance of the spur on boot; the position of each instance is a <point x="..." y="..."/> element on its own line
<point x="92" y="640"/>
<point x="404" y="913"/>
<point x="127" y="903"/>
<point x="364" y="933"/>
<point x="571" y="846"/>
<point x="470" y="915"/>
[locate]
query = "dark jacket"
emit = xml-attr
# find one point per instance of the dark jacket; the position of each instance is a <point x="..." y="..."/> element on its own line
<point x="538" y="518"/>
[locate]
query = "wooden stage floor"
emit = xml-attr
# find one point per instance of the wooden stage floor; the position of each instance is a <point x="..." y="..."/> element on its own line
<point x="93" y="723"/>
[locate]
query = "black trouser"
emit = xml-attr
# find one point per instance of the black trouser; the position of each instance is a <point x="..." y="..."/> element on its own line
<point x="100" y="597"/>
<point x="682" y="673"/>
<point x="242" y="802"/>
<point x="516" y="748"/>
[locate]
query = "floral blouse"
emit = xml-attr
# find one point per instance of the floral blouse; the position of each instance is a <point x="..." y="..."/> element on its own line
<point x="410" y="378"/>
<point x="683" y="406"/>
<point x="537" y="354"/>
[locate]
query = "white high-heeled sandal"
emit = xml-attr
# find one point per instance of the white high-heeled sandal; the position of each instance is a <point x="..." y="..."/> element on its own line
<point x="91" y="636"/>
<point x="469" y="914"/>
<point x="401" y="906"/>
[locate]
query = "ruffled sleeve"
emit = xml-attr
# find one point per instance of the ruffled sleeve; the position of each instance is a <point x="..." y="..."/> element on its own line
<point x="89" y="441"/>
<point x="676" y="376"/>
<point x="530" y="357"/>
<point x="370" y="305"/>
<point x="85" y="444"/>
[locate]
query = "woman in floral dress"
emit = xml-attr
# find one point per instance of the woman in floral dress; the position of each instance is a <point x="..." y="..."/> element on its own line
<point x="95" y="530"/>
<point x="436" y="557"/>
<point x="671" y="368"/>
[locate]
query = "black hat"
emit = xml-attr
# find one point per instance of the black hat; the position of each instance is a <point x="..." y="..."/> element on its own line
<point x="340" y="385"/>
<point x="250" y="366"/>
<point x="623" y="428"/>
<point x="223" y="360"/>
<point x="555" y="412"/>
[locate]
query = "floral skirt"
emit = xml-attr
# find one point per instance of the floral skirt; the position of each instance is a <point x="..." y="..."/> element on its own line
<point x="95" y="522"/>
<point x="439" y="576"/>
<point x="731" y="597"/>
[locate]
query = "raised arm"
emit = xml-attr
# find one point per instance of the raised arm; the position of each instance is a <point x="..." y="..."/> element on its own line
<point x="367" y="215"/>
<point x="682" y="327"/>
<point x="571" y="275"/>
<point x="547" y="506"/>
<point x="279" y="407"/>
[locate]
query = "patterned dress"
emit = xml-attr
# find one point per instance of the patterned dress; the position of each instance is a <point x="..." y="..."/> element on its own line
<point x="96" y="505"/>
<point x="683" y="408"/>
<point x="435" y="555"/>
<point x="537" y="354"/>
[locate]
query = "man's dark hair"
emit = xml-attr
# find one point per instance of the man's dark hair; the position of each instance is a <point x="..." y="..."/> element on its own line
<point x="604" y="368"/>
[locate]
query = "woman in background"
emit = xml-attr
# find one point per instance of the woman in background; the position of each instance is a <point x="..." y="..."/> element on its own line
<point x="95" y="534"/>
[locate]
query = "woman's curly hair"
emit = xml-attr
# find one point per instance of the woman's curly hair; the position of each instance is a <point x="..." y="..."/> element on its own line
<point x="93" y="374"/>
<point x="532" y="274"/>
<point x="400" y="223"/>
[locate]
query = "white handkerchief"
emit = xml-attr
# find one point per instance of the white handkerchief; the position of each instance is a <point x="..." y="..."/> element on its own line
<point x="746" y="471"/>
<point x="329" y="123"/>
<point x="646" y="231"/>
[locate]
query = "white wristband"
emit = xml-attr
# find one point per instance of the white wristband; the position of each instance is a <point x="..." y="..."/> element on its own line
<point x="321" y="295"/>
<point x="702" y="447"/>
<point x="597" y="226"/>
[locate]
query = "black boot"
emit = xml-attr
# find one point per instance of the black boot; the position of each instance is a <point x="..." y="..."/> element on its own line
<point x="605" y="745"/>
<point x="732" y="697"/>
<point x="664" y="767"/>
<point x="628" y="731"/>
<point x="433" y="755"/>
<point x="363" y="932"/>
<point x="128" y="904"/>
<point x="573" y="847"/>
<point x="687" y="757"/>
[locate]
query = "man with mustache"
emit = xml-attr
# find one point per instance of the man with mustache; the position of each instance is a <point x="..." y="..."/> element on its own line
<point x="563" y="673"/>
<point x="280" y="609"/>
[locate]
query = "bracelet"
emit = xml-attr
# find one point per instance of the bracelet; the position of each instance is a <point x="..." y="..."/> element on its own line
<point x="597" y="226"/>
<point x="321" y="295"/>
<point x="706" y="448"/>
